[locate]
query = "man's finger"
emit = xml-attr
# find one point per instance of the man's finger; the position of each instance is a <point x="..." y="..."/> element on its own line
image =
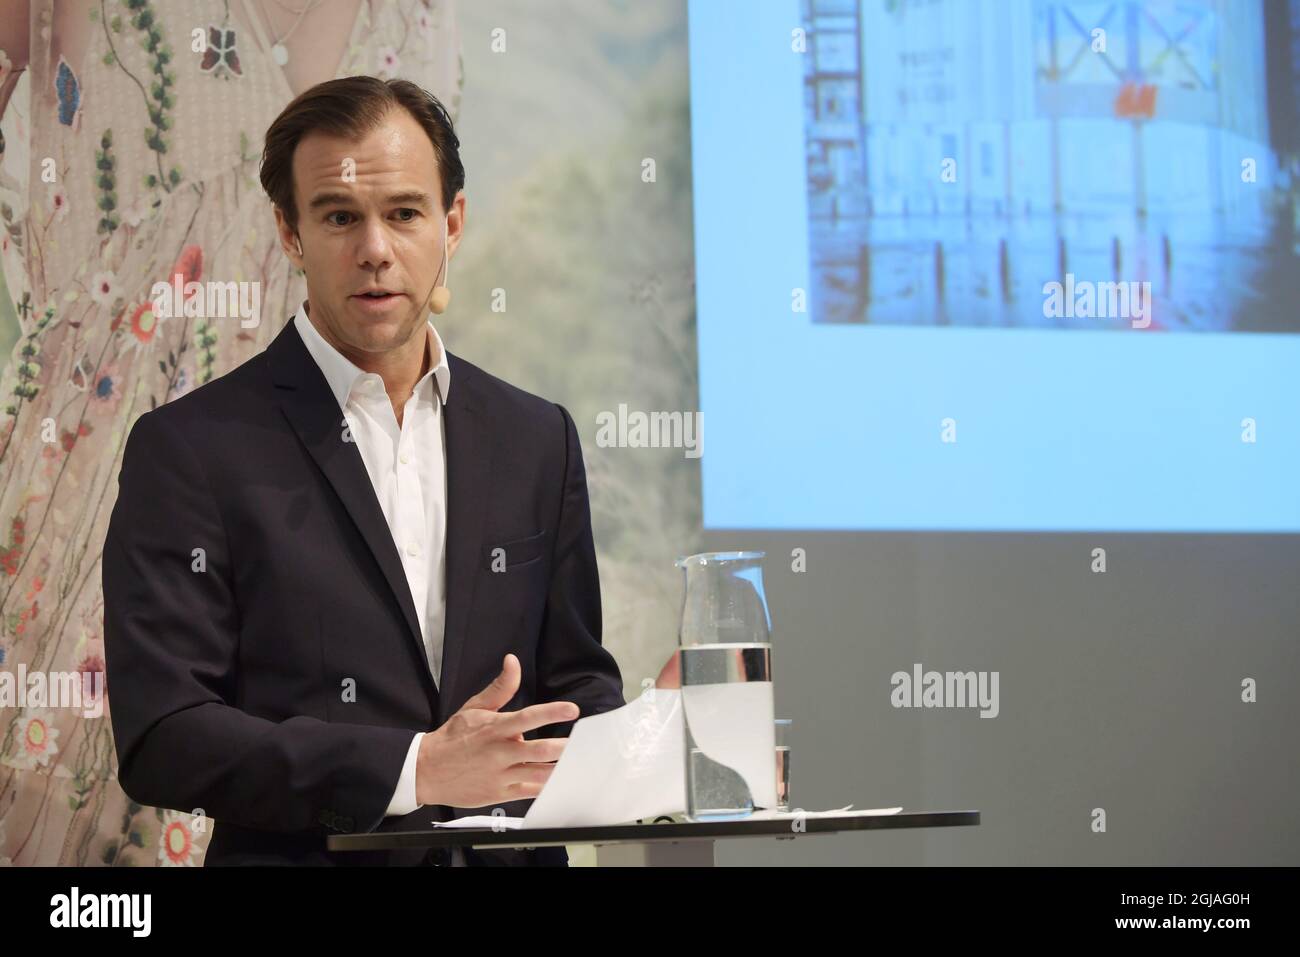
<point x="500" y="690"/>
<point x="537" y="774"/>
<point x="537" y="716"/>
<point x="537" y="751"/>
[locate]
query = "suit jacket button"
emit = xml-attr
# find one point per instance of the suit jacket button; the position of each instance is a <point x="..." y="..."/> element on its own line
<point x="345" y="824"/>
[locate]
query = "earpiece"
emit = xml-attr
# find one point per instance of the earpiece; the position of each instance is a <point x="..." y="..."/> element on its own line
<point x="440" y="296"/>
<point x="298" y="243"/>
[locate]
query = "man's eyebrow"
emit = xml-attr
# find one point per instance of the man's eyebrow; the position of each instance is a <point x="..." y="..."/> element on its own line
<point x="410" y="197"/>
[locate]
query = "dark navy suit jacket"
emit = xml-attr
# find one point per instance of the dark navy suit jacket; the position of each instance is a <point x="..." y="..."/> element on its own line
<point x="227" y="667"/>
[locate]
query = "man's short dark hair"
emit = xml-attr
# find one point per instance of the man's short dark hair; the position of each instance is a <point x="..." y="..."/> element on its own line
<point x="351" y="107"/>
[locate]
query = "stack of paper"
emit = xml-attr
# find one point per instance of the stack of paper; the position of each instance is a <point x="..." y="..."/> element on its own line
<point x="630" y="764"/>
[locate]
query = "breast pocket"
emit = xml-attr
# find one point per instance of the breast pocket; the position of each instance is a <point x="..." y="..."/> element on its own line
<point x="505" y="557"/>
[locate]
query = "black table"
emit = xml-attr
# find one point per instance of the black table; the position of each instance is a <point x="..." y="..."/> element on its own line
<point x="649" y="845"/>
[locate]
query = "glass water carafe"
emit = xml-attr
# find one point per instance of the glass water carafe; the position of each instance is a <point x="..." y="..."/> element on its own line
<point x="726" y="686"/>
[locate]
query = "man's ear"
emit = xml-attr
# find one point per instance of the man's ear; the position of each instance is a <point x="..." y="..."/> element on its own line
<point x="455" y="223"/>
<point x="289" y="241"/>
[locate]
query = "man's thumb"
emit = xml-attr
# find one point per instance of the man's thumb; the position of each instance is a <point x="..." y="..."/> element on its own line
<point x="502" y="688"/>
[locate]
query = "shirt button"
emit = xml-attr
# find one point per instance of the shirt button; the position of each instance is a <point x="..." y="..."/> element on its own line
<point x="405" y="458"/>
<point x="412" y="549"/>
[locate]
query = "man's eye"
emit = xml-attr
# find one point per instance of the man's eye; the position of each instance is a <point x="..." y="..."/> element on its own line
<point x="404" y="209"/>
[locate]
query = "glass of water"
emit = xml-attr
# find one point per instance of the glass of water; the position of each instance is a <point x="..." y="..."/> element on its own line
<point x="783" y="763"/>
<point x="726" y="685"/>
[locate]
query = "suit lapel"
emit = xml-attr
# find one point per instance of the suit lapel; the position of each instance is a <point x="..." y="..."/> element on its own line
<point x="312" y="410"/>
<point x="469" y="469"/>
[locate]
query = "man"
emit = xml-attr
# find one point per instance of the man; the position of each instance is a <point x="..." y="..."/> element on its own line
<point x="355" y="576"/>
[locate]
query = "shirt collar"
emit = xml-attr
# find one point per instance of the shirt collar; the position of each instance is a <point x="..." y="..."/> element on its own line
<point x="342" y="374"/>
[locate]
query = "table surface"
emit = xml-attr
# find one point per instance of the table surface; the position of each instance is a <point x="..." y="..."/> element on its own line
<point x="645" y="833"/>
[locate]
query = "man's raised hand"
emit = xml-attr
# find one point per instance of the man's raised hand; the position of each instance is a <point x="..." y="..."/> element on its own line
<point x="479" y="756"/>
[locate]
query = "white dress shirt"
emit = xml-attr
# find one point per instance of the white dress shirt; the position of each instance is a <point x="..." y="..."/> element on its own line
<point x="407" y="467"/>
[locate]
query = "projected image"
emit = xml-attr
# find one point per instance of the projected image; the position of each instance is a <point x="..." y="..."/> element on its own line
<point x="1054" y="164"/>
<point x="955" y="235"/>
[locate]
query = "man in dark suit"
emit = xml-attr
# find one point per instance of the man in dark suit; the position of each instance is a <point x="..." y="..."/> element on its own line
<point x="352" y="583"/>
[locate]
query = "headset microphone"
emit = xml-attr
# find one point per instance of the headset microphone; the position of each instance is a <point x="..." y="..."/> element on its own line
<point x="440" y="296"/>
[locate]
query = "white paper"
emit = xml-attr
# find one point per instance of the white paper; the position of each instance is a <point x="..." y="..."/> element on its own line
<point x="630" y="764"/>
<point x="774" y="815"/>
<point x="734" y="725"/>
<point x="619" y="766"/>
<point x="497" y="821"/>
<point x="515" y="823"/>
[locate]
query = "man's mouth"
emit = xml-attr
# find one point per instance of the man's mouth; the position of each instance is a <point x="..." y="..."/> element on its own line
<point x="378" y="301"/>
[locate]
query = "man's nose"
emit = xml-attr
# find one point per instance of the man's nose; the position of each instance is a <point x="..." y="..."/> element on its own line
<point x="376" y="247"/>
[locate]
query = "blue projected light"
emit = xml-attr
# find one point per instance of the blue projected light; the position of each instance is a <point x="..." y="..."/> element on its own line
<point x="998" y="264"/>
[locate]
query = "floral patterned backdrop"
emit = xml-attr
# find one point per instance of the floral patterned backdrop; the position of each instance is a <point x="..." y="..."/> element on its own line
<point x="138" y="161"/>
